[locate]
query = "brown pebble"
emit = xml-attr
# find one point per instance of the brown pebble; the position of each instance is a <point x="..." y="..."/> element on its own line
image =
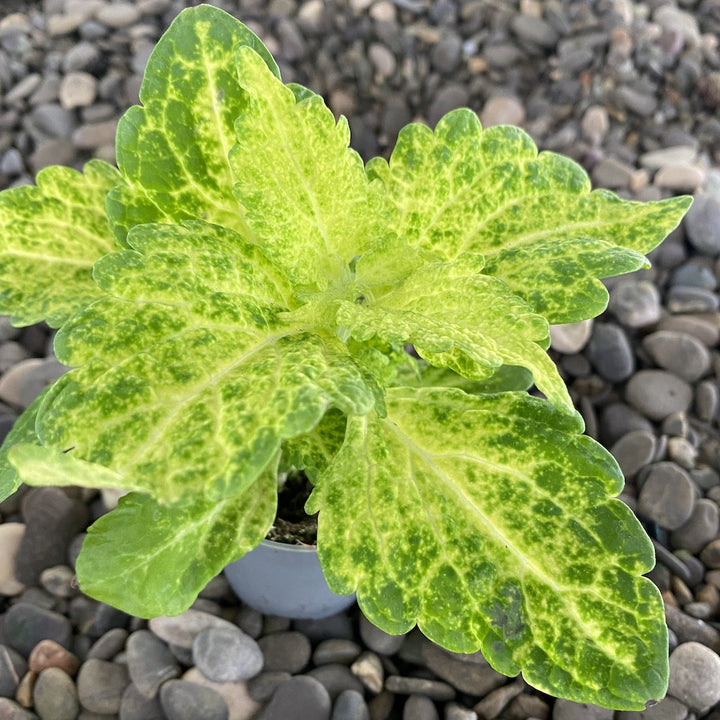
<point x="682" y="592"/>
<point x="709" y="594"/>
<point x="48" y="653"/>
<point x="24" y="691"/>
<point x="710" y="554"/>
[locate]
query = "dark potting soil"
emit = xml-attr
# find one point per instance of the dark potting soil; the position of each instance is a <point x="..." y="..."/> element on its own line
<point x="293" y="525"/>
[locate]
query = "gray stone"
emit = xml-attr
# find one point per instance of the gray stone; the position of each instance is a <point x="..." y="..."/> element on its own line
<point x="12" y="668"/>
<point x="636" y="101"/>
<point x="335" y="678"/>
<point x="52" y="520"/>
<point x="182" y="629"/>
<point x="707" y="400"/>
<point x="335" y="650"/>
<point x="610" y="352"/>
<point x="676" y="155"/>
<point x="449" y="98"/>
<point x="182" y="700"/>
<point x="695" y="274"/>
<point x="83" y="56"/>
<point x="453" y="711"/>
<point x="635" y="303"/>
<point x="55" y="696"/>
<point x="135" y="706"/>
<point x="467" y="673"/>
<point x="568" y="710"/>
<point x="687" y="299"/>
<point x="382" y="59"/>
<point x="534" y="30"/>
<point x="673" y="19"/>
<point x="682" y="452"/>
<point x="678" y="352"/>
<point x="700" y="528"/>
<point x="239" y="703"/>
<point x="612" y="173"/>
<point x="54" y="120"/>
<point x="495" y="702"/>
<point x="23" y="89"/>
<point x="101" y="685"/>
<point x="689" y="629"/>
<point x="350" y="705"/>
<point x="695" y="676"/>
<point x="292" y="43"/>
<point x="90" y="136"/>
<point x="10" y="710"/>
<point x="52" y="152"/>
<point x="150" y="662"/>
<point x="667" y="709"/>
<point x="658" y="393"/>
<point x="445" y="55"/>
<point x="26" y="625"/>
<point x="378" y="640"/>
<point x="619" y="419"/>
<point x="419" y="707"/>
<point x="230" y="656"/>
<point x="285" y="651"/>
<point x="667" y="496"/>
<point x="12" y="163"/>
<point x="701" y="224"/>
<point x="118" y="14"/>
<point x="433" y="689"/>
<point x="634" y="451"/>
<point x="300" y="698"/>
<point x="263" y="686"/>
<point x="108" y="645"/>
<point x="699" y="327"/>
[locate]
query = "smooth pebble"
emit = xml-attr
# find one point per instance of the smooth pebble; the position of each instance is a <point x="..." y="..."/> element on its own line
<point x="658" y="393"/>
<point x="225" y="655"/>
<point x="695" y="676"/>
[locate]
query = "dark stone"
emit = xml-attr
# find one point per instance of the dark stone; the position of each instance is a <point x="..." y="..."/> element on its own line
<point x="26" y="625"/>
<point x="52" y="520"/>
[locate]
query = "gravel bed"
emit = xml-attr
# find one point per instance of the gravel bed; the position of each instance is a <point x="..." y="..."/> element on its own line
<point x="629" y="89"/>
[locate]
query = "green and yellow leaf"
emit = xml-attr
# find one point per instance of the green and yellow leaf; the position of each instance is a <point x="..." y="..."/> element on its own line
<point x="304" y="192"/>
<point x="173" y="150"/>
<point x="496" y="533"/>
<point x="186" y="377"/>
<point x="464" y="189"/>
<point x="150" y="559"/>
<point x="51" y="235"/>
<point x="459" y="318"/>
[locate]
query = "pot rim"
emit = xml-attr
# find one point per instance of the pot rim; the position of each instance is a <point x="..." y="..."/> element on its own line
<point x="287" y="546"/>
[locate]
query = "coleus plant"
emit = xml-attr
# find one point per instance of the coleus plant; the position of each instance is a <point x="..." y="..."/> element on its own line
<point x="241" y="297"/>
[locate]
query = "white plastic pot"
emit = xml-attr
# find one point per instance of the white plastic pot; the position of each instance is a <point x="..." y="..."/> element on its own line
<point x="285" y="580"/>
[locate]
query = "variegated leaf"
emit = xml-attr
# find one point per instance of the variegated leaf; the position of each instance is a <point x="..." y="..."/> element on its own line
<point x="51" y="235"/>
<point x="464" y="189"/>
<point x="187" y="377"/>
<point x="173" y="150"/>
<point x="489" y="522"/>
